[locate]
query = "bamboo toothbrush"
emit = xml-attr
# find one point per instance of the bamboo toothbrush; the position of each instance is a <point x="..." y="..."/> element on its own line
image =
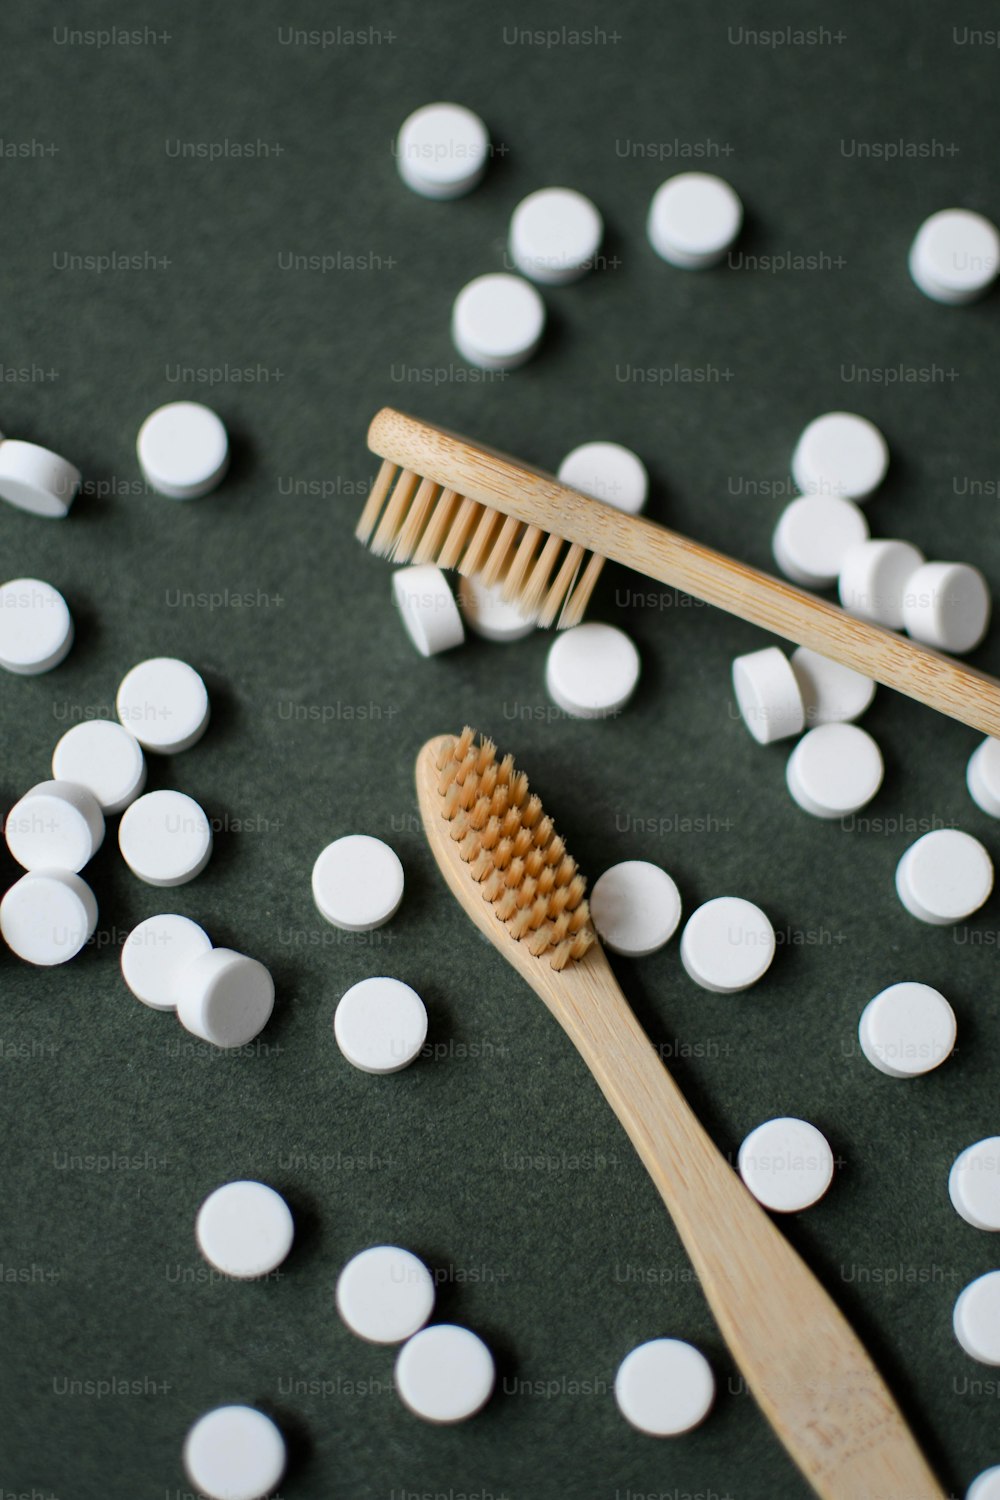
<point x="439" y="498"/>
<point x="509" y="869"/>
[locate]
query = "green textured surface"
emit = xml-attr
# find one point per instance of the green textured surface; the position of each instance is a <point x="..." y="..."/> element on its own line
<point x="496" y="1159"/>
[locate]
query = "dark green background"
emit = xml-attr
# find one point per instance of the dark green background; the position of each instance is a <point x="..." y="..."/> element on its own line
<point x="320" y="704"/>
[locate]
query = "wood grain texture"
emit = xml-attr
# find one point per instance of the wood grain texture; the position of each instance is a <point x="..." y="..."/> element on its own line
<point x="536" y="498"/>
<point x="809" y="1373"/>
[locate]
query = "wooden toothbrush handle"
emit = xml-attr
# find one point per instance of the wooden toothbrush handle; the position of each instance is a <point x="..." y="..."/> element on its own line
<point x="536" y="498"/>
<point x="807" y="1369"/>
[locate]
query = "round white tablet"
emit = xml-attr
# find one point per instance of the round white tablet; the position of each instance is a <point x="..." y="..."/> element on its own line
<point x="489" y="614"/>
<point x="555" y="234"/>
<point x="840" y="453"/>
<point x="768" y="695"/>
<point x="834" y="770"/>
<point x="427" y="608"/>
<point x="164" y="703"/>
<point x="156" y="954"/>
<point x="727" y="945"/>
<point x="831" y="693"/>
<point x="974" y="1184"/>
<point x="608" y="472"/>
<point x="497" y="321"/>
<point x="234" y="1453"/>
<point x="944" y="876"/>
<point x="983" y="777"/>
<point x="665" y="1387"/>
<point x="977" y="1318"/>
<point x="907" y="1029"/>
<point x="106" y="759"/>
<point x="183" y="450"/>
<point x="636" y="908"/>
<point x="787" y="1164"/>
<point x="165" y="838"/>
<point x="385" y="1294"/>
<point x="874" y="577"/>
<point x="47" y="916"/>
<point x="814" y="535"/>
<point x="36" y="627"/>
<point x="955" y="256"/>
<point x="56" y="826"/>
<point x="986" y="1486"/>
<point x="442" y="150"/>
<point x="357" y="882"/>
<point x="693" y="219"/>
<point x="380" y="1025"/>
<point x="244" y="1229"/>
<point x="225" y="998"/>
<point x="444" y="1373"/>
<point x="36" y="480"/>
<point x="947" y="605"/>
<point x="591" y="671"/>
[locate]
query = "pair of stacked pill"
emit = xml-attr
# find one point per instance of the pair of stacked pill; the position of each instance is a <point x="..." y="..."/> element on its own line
<point x="444" y="1373"/>
<point x="98" y="771"/>
<point x="836" y="767"/>
<point x="822" y="539"/>
<point x="220" y="996"/>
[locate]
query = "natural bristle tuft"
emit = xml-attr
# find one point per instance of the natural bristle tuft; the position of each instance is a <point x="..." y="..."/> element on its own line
<point x="513" y="851"/>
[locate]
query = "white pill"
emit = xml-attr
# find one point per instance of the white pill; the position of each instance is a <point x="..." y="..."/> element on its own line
<point x="155" y="957"/>
<point x="36" y="627"/>
<point x="380" y="1025"/>
<point x="693" y="219"/>
<point x="442" y="150"/>
<point x="727" y="945"/>
<point x="165" y="838"/>
<point x="814" y="535"/>
<point x="831" y="693"/>
<point x="907" y="1029"/>
<point x="183" y="450"/>
<point x="47" y="916"/>
<point x="947" y="605"/>
<point x="244" y="1229"/>
<point x="36" y="480"/>
<point x="489" y="614"/>
<point x="234" y="1453"/>
<point x="986" y="1486"/>
<point x="974" y="1184"/>
<point x="164" y="703"/>
<point x="385" y="1294"/>
<point x="944" y="876"/>
<point x="834" y="770"/>
<point x="664" y="1387"/>
<point x="444" y="1373"/>
<point x="874" y="577"/>
<point x="225" y="998"/>
<point x="555" y="233"/>
<point x="955" y="256"/>
<point x="497" y="321"/>
<point x="977" y="1318"/>
<point x="357" y="883"/>
<point x="106" y="759"/>
<point x="842" y="454"/>
<point x="591" y="671"/>
<point x="607" y="472"/>
<point x="983" y="777"/>
<point x="768" y="695"/>
<point x="787" y="1164"/>
<point x="56" y="826"/>
<point x="427" y="608"/>
<point x="636" y="908"/>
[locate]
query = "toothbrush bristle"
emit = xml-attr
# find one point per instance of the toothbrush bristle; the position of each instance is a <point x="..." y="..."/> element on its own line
<point x="513" y="851"/>
<point x="408" y="518"/>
